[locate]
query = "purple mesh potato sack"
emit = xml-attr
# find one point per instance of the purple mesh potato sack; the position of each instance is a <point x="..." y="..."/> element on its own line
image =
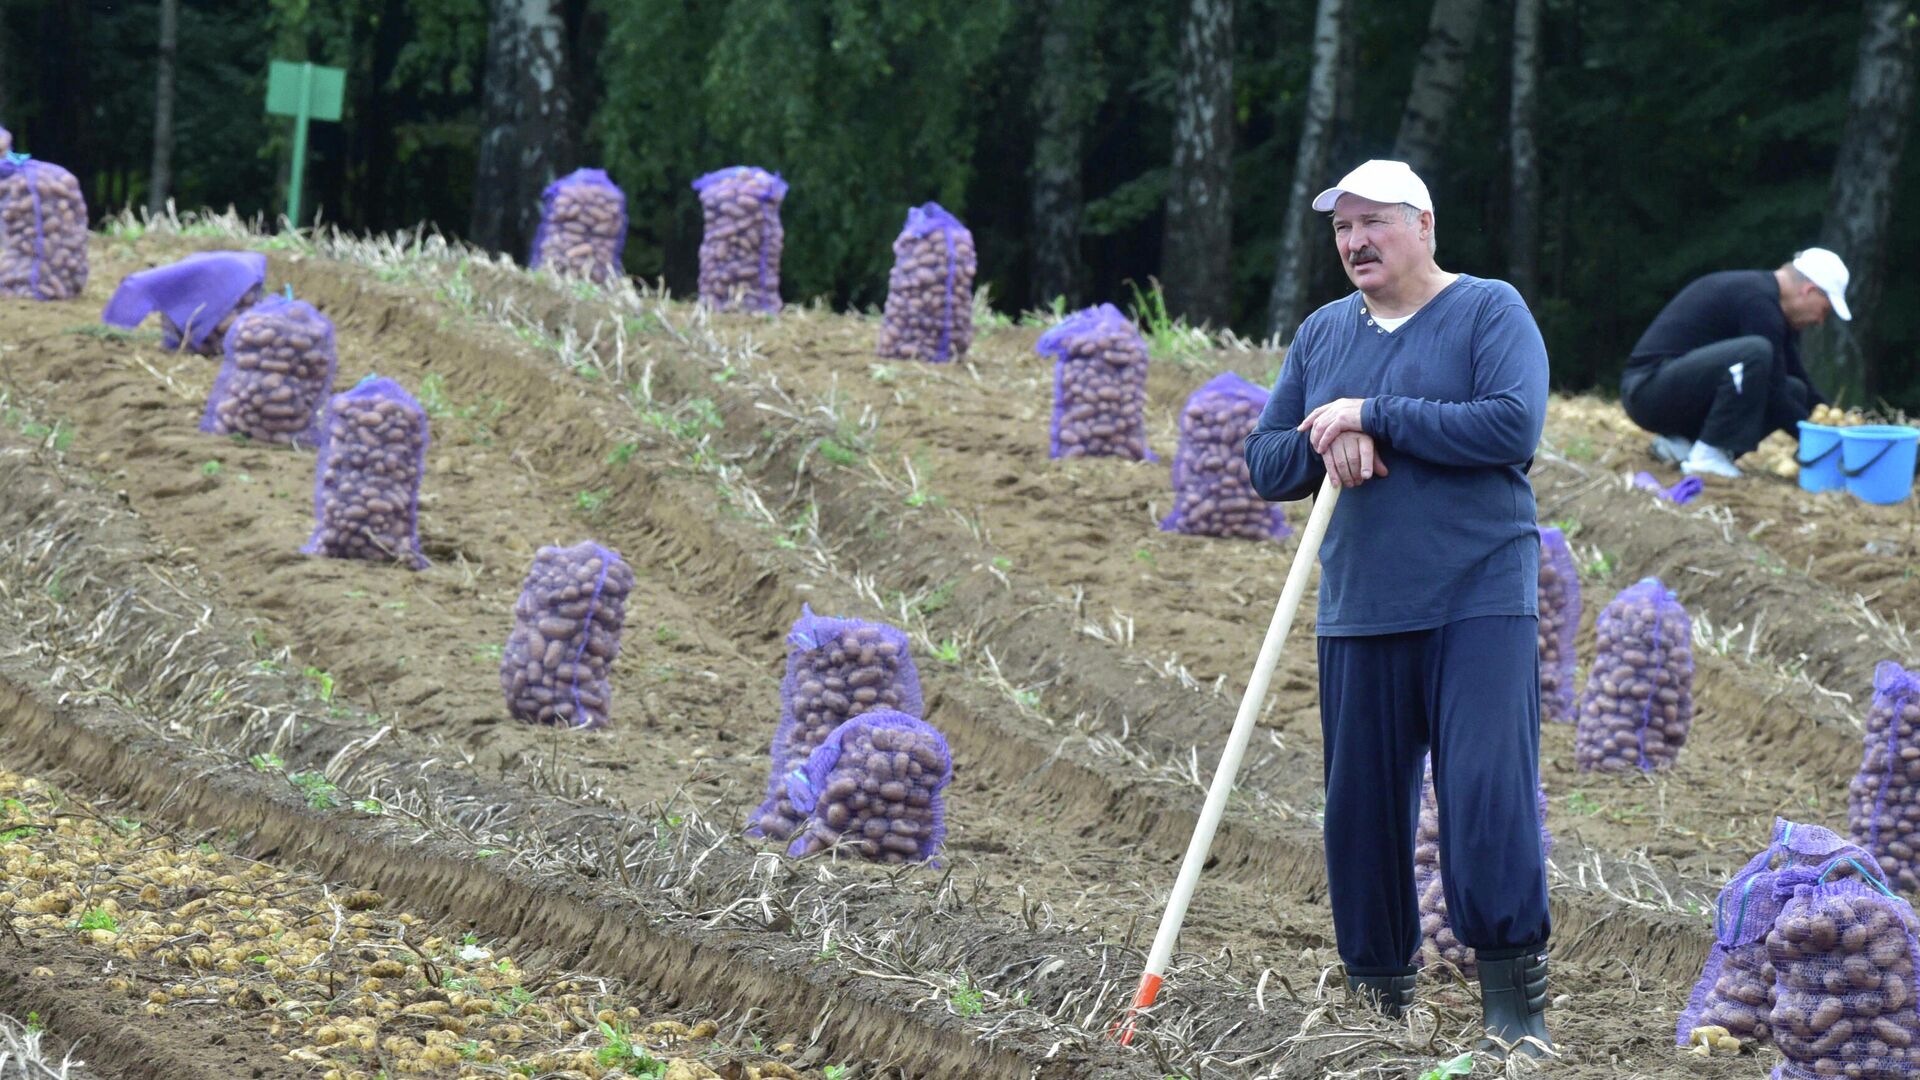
<point x="1212" y="492"/>
<point x="1883" y="800"/>
<point x="1842" y="951"/>
<point x="740" y="250"/>
<point x="198" y="297"/>
<point x="1638" y="705"/>
<point x="1099" y="385"/>
<point x="837" y="669"/>
<point x="874" y="786"/>
<point x="6" y="142"/>
<point x="43" y="230"/>
<point x="366" y="489"/>
<point x="1438" y="943"/>
<point x="929" y="312"/>
<point x="1736" y="987"/>
<point x="1559" y="622"/>
<point x="583" y="227"/>
<point x="277" y="375"/>
<point x="566" y="636"/>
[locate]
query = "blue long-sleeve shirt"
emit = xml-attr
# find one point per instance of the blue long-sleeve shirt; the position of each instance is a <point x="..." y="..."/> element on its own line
<point x="1455" y="401"/>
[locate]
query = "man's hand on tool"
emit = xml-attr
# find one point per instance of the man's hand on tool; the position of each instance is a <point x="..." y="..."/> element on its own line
<point x="1351" y="461"/>
<point x="1329" y="421"/>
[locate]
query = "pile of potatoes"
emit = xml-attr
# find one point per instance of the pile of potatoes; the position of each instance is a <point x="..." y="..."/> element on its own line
<point x="1212" y="492"/>
<point x="1842" y="955"/>
<point x="837" y="669"/>
<point x="1438" y="944"/>
<point x="1099" y="385"/>
<point x="740" y="250"/>
<point x="929" y="312"/>
<point x="1559" y="607"/>
<point x="566" y="636"/>
<point x="1883" y="800"/>
<point x="583" y="227"/>
<point x="366" y="494"/>
<point x="277" y="375"/>
<point x="874" y="787"/>
<point x="43" y="231"/>
<point x="1834" y="416"/>
<point x="1638" y="704"/>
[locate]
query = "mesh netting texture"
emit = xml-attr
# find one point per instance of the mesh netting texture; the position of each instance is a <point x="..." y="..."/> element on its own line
<point x="566" y="636"/>
<point x="1099" y="385"/>
<point x="43" y="230"/>
<point x="198" y="298"/>
<point x="366" y="491"/>
<point x="583" y="227"/>
<point x="1559" y="624"/>
<point x="929" y="312"/>
<point x="1883" y="799"/>
<point x="874" y="787"/>
<point x="277" y="376"/>
<point x="1212" y="492"/>
<point x="1638" y="704"/>
<point x="1736" y="986"/>
<point x="1438" y="943"/>
<point x="740" y="249"/>
<point x="837" y="669"/>
<point x="1842" y="951"/>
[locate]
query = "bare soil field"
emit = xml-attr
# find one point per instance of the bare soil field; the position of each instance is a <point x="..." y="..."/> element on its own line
<point x="170" y="654"/>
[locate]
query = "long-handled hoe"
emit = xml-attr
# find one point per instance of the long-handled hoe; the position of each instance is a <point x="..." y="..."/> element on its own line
<point x="1216" y="804"/>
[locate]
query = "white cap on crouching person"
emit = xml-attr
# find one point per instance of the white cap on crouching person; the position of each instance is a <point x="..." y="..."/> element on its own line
<point x="1824" y="268"/>
<point x="1383" y="182"/>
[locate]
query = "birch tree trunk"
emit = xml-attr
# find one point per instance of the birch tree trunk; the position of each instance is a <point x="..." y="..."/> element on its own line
<point x="1436" y="83"/>
<point x="1196" y="260"/>
<point x="1860" y="203"/>
<point x="1297" y="232"/>
<point x="1059" y="134"/>
<point x="1523" y="224"/>
<point x="160" y="175"/>
<point x="526" y="121"/>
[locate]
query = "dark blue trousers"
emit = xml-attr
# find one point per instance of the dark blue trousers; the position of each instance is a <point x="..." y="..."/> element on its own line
<point x="1470" y="692"/>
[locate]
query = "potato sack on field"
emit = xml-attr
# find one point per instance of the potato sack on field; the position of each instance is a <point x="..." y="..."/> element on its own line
<point x="43" y="230"/>
<point x="1559" y="623"/>
<point x="583" y="227"/>
<point x="1212" y="493"/>
<point x="277" y="375"/>
<point x="366" y="491"/>
<point x="875" y="786"/>
<point x="1883" y="800"/>
<point x="1437" y="941"/>
<point x="740" y="250"/>
<point x="837" y="669"/>
<point x="198" y="298"/>
<point x="1638" y="705"/>
<point x="1736" y="987"/>
<point x="1843" y="953"/>
<point x="1099" y="385"/>
<point x="566" y="636"/>
<point x="929" y="312"/>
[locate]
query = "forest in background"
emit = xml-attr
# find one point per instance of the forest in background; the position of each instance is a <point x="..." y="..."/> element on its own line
<point x="1598" y="153"/>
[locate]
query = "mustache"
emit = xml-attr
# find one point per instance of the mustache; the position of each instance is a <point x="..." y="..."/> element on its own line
<point x="1365" y="254"/>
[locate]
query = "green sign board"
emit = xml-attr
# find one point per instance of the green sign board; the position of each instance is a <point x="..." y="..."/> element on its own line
<point x="305" y="92"/>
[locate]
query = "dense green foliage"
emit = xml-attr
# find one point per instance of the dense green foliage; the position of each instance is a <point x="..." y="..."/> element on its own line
<point x="1676" y="137"/>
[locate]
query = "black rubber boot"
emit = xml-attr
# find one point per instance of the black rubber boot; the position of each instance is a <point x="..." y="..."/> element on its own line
<point x="1513" y="998"/>
<point x="1391" y="994"/>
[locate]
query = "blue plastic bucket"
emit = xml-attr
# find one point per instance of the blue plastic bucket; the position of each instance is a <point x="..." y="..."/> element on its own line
<point x="1878" y="460"/>
<point x="1819" y="457"/>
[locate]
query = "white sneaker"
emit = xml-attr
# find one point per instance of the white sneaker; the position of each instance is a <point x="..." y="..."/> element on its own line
<point x="1671" y="449"/>
<point x="1709" y="461"/>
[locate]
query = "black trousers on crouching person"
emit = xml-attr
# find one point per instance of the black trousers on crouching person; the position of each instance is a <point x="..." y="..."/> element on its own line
<point x="1470" y="691"/>
<point x="1696" y="395"/>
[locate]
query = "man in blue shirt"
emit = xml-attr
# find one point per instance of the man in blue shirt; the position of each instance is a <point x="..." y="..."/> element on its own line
<point x="1719" y="367"/>
<point x="1423" y="394"/>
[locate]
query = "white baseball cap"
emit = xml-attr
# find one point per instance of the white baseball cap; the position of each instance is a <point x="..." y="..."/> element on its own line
<point x="1382" y="181"/>
<point x="1824" y="268"/>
